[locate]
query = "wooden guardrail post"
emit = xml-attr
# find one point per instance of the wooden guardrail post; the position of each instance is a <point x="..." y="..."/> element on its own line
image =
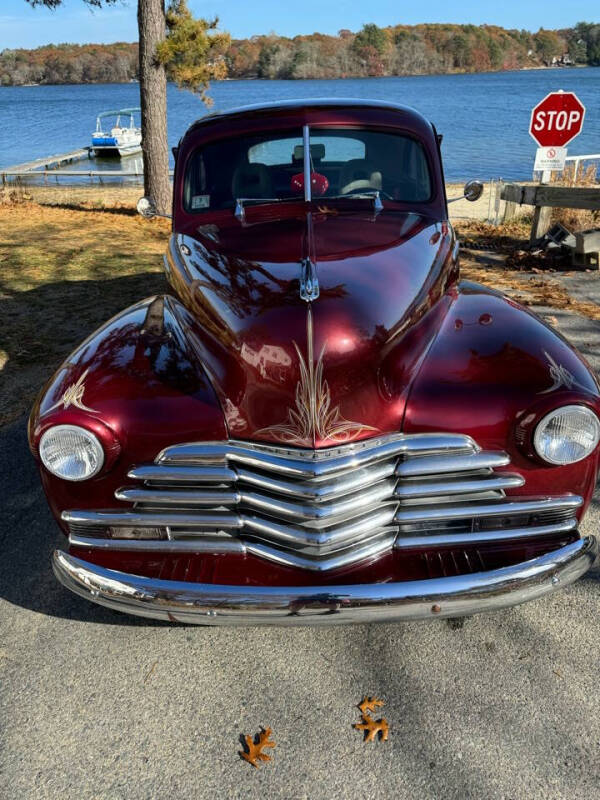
<point x="510" y="211"/>
<point x="542" y="222"/>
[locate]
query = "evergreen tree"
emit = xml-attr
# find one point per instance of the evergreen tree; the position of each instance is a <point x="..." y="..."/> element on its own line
<point x="170" y="40"/>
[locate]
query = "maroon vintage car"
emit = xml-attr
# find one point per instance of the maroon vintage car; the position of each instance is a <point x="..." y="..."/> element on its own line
<point x="321" y="423"/>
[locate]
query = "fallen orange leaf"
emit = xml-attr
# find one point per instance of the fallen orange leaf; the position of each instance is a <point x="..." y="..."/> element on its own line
<point x="373" y="727"/>
<point x="255" y="748"/>
<point x="369" y="704"/>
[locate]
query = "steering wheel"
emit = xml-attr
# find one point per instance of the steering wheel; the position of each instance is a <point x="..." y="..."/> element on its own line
<point x="358" y="186"/>
<point x="362" y="187"/>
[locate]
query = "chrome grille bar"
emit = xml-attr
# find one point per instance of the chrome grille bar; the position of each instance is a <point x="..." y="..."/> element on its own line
<point x="482" y="510"/>
<point x="334" y="536"/>
<point x="315" y="463"/>
<point x="435" y="488"/>
<point x="315" y="513"/>
<point x="206" y="544"/>
<point x="153" y="519"/>
<point x="175" y="497"/>
<point x="479" y="537"/>
<point x="316" y="490"/>
<point x="438" y="464"/>
<point x="187" y="474"/>
<point x="370" y="550"/>
<point x="322" y="509"/>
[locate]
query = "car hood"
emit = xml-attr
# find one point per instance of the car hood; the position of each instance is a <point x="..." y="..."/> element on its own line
<point x="312" y="373"/>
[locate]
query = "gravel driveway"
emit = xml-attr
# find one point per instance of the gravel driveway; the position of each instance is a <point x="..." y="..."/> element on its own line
<point x="94" y="704"/>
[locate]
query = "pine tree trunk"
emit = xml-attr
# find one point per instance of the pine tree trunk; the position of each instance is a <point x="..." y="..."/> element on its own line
<point x="153" y="97"/>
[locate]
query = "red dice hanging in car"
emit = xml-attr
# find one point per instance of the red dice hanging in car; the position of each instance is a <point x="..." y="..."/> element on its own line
<point x="318" y="183"/>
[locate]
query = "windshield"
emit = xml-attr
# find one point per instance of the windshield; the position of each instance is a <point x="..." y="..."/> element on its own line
<point x="269" y="166"/>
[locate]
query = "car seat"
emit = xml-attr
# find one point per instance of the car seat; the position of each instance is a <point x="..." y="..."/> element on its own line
<point x="252" y="181"/>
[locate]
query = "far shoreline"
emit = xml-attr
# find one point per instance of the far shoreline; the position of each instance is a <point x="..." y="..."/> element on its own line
<point x="339" y="78"/>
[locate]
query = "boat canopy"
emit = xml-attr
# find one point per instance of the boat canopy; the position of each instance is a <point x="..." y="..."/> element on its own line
<point x="125" y="112"/>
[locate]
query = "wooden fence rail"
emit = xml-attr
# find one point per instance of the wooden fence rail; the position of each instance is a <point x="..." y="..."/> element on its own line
<point x="545" y="198"/>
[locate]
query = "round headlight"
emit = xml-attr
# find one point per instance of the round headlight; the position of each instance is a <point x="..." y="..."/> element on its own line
<point x="567" y="435"/>
<point x="71" y="452"/>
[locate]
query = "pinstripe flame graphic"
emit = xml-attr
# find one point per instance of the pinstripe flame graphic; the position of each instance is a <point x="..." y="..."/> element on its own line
<point x="313" y="418"/>
<point x="73" y="396"/>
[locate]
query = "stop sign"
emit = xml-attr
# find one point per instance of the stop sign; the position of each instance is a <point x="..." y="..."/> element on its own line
<point x="557" y="119"/>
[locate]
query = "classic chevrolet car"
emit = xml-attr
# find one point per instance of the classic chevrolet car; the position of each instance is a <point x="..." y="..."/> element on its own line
<point x="322" y="423"/>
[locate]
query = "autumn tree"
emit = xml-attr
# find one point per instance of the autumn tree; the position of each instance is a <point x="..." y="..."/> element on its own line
<point x="242" y="58"/>
<point x="171" y="42"/>
<point x="548" y="45"/>
<point x="193" y="52"/>
<point x="372" y="37"/>
<point x="587" y="42"/>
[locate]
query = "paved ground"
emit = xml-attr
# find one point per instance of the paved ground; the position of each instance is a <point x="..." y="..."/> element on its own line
<point x="97" y="705"/>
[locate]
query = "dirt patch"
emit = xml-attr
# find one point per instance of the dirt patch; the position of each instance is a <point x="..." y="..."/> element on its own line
<point x="506" y="238"/>
<point x="506" y="264"/>
<point x="530" y="291"/>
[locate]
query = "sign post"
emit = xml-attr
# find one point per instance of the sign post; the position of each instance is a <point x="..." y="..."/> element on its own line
<point x="555" y="121"/>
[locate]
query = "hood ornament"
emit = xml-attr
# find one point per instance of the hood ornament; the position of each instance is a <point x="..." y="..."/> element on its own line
<point x="309" y="282"/>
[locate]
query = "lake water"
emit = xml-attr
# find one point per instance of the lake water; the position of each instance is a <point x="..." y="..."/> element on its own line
<point x="484" y="118"/>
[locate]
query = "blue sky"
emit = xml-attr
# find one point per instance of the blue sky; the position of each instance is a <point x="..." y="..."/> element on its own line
<point x="22" y="26"/>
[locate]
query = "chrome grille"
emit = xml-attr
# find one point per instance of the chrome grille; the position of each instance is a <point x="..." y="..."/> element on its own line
<point x="321" y="509"/>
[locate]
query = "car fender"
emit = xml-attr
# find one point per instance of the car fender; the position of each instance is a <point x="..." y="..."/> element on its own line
<point x="493" y="370"/>
<point x="137" y="384"/>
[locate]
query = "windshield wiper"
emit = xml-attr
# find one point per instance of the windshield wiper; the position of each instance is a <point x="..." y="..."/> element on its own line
<point x="240" y="211"/>
<point x="366" y="194"/>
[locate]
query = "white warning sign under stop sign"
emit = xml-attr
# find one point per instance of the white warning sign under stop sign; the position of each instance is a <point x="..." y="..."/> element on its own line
<point x="550" y="158"/>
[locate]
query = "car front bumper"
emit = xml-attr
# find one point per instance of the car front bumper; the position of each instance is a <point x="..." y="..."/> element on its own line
<point x="211" y="604"/>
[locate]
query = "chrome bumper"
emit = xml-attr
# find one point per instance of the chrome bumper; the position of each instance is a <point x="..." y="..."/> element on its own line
<point x="208" y="604"/>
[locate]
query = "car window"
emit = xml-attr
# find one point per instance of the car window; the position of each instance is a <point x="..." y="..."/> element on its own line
<point x="333" y="148"/>
<point x="273" y="151"/>
<point x="339" y="148"/>
<point x="270" y="165"/>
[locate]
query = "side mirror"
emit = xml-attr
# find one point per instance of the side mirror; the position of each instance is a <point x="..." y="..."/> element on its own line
<point x="145" y="208"/>
<point x="473" y="190"/>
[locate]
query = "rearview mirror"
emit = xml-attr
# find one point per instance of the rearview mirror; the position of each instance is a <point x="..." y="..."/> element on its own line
<point x="473" y="190"/>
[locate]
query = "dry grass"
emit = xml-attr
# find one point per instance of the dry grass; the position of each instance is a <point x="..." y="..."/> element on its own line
<point x="62" y="273"/>
<point x="575" y="219"/>
<point x="89" y="196"/>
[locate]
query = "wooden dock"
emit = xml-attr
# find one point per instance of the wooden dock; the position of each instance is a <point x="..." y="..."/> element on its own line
<point x="90" y="175"/>
<point x="47" y="163"/>
<point x="51" y="167"/>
